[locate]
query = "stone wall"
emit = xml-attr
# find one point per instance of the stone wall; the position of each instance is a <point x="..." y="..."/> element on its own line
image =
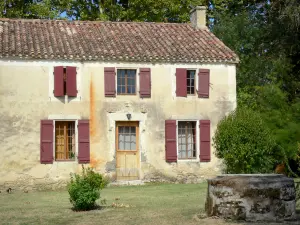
<point x="252" y="197"/>
<point x="26" y="98"/>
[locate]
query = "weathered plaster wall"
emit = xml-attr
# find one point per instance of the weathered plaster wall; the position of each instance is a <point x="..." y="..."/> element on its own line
<point x="26" y="97"/>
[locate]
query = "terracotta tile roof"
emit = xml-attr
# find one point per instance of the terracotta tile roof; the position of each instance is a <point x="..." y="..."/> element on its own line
<point x="110" y="41"/>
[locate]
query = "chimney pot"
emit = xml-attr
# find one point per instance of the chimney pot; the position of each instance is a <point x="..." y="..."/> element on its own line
<point x="198" y="17"/>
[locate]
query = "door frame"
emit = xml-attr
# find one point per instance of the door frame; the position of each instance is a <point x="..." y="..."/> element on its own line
<point x="137" y="151"/>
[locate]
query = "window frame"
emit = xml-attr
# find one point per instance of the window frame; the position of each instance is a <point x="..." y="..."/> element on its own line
<point x="76" y="141"/>
<point x="197" y="145"/>
<point x="195" y="80"/>
<point x="125" y="123"/>
<point x="136" y="82"/>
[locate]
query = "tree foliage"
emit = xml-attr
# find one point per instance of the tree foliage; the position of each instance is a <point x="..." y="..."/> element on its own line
<point x="266" y="38"/>
<point x="244" y="143"/>
<point x="32" y="9"/>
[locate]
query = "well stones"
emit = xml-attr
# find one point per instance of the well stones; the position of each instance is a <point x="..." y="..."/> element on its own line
<point x="266" y="197"/>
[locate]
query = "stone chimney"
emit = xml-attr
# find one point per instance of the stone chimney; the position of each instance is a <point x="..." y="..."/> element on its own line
<point x="198" y="17"/>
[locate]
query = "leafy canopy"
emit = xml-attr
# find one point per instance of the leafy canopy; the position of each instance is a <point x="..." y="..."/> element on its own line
<point x="244" y="143"/>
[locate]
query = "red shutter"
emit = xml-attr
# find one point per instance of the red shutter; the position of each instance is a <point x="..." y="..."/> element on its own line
<point x="109" y="82"/>
<point x="84" y="141"/>
<point x="203" y="83"/>
<point x="145" y="82"/>
<point x="181" y="87"/>
<point x="204" y="140"/>
<point x="170" y="136"/>
<point x="58" y="81"/>
<point x="71" y="81"/>
<point x="46" y="145"/>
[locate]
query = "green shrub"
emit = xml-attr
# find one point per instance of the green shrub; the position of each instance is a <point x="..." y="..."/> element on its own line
<point x="84" y="189"/>
<point x="244" y="143"/>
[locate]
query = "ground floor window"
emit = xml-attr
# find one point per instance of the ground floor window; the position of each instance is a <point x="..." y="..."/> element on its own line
<point x="64" y="140"/>
<point x="186" y="139"/>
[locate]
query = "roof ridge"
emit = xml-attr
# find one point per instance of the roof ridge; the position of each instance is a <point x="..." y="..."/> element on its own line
<point x="91" y="21"/>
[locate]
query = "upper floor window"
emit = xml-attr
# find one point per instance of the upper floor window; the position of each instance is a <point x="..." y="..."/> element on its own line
<point x="65" y="81"/>
<point x="187" y="83"/>
<point x="126" y="81"/>
<point x="190" y="79"/>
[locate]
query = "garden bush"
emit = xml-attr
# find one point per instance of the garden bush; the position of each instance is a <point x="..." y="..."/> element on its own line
<point x="245" y="143"/>
<point x="84" y="189"/>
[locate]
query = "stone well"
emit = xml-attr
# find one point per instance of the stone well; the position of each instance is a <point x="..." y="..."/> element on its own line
<point x="265" y="197"/>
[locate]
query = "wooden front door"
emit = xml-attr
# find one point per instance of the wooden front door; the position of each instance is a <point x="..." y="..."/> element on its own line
<point x="127" y="150"/>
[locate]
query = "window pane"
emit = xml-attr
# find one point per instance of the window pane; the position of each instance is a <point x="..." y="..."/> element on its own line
<point x="132" y="130"/>
<point x="123" y="89"/>
<point x="133" y="141"/>
<point x="121" y="142"/>
<point x="132" y="73"/>
<point x="127" y="146"/>
<point x="191" y="74"/>
<point x="192" y="91"/>
<point x="127" y="138"/>
<point x="193" y="83"/>
<point x="129" y="81"/>
<point x="133" y="145"/>
<point x="123" y="72"/>
<point x="119" y="90"/>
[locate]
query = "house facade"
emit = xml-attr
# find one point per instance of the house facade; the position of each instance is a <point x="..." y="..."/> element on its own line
<point x="135" y="101"/>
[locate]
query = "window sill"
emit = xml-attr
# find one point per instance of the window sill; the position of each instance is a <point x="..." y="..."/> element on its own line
<point x="65" y="99"/>
<point x="126" y="94"/>
<point x="133" y="151"/>
<point x="187" y="160"/>
<point x="65" y="160"/>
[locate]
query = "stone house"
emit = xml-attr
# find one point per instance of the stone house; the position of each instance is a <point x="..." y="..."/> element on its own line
<point x="134" y="100"/>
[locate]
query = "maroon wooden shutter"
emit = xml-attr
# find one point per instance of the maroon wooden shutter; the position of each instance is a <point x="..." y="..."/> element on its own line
<point x="71" y="81"/>
<point x="109" y="82"/>
<point x="204" y="140"/>
<point x="46" y="145"/>
<point x="170" y="136"/>
<point x="181" y="87"/>
<point x="203" y="83"/>
<point x="58" y="81"/>
<point x="145" y="82"/>
<point x="84" y="141"/>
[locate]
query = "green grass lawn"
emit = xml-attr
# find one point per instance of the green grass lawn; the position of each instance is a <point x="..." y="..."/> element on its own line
<point x="157" y="204"/>
<point x="148" y="204"/>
